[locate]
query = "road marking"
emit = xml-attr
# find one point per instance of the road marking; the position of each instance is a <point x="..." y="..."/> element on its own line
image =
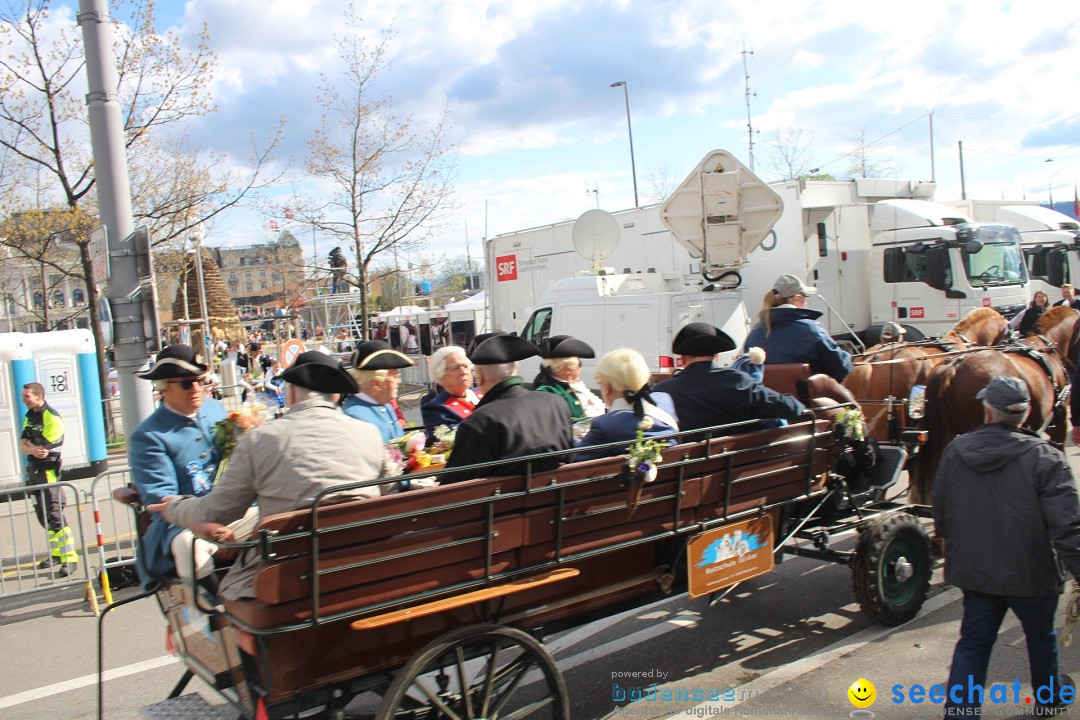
<point x="791" y="671"/>
<point x="85" y="681"/>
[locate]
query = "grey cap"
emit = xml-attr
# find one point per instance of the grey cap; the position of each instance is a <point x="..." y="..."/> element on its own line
<point x="789" y="286"/>
<point x="892" y="330"/>
<point x="1007" y="394"/>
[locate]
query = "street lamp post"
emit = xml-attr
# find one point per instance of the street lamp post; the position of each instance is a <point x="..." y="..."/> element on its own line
<point x="630" y="133"/>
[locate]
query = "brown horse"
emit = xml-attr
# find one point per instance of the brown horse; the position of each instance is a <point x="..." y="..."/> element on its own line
<point x="1043" y="360"/>
<point x="892" y="370"/>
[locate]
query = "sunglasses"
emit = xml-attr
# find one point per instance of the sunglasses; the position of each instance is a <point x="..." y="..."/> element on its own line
<point x="188" y="384"/>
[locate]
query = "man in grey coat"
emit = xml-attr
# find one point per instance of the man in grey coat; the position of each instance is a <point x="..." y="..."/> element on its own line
<point x="282" y="466"/>
<point x="1006" y="505"/>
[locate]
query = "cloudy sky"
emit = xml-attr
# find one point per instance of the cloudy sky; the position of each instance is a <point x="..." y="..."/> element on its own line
<point x="538" y="125"/>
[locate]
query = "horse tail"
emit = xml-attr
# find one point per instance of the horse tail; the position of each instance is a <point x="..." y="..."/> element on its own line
<point x="935" y="421"/>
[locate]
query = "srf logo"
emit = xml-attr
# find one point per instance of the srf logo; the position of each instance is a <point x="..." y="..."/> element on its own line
<point x="506" y="268"/>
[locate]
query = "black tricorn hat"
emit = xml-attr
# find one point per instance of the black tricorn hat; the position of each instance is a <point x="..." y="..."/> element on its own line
<point x="564" y="346"/>
<point x="501" y="349"/>
<point x="377" y="355"/>
<point x="700" y="338"/>
<point x="481" y="338"/>
<point x="175" y="361"/>
<point x="315" y="370"/>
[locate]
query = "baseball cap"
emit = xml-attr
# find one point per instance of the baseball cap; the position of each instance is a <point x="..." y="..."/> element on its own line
<point x="1007" y="394"/>
<point x="789" y="286"/>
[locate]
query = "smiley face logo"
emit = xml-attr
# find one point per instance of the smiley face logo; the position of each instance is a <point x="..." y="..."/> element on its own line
<point x="862" y="693"/>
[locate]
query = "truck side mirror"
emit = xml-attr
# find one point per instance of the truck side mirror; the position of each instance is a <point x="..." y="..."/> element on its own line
<point x="972" y="246"/>
<point x="937" y="260"/>
<point x="1055" y="268"/>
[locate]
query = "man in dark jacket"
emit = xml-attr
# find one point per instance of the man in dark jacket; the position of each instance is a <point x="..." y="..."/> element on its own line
<point x="1006" y="505"/>
<point x="706" y="395"/>
<point x="511" y="421"/>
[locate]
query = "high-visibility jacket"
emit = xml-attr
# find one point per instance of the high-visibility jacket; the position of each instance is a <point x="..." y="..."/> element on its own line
<point x="45" y="428"/>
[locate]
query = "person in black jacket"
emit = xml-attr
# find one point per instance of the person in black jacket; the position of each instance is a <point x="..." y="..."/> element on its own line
<point x="1006" y="505"/>
<point x="706" y="395"/>
<point x="511" y="421"/>
<point x="1068" y="297"/>
<point x="1024" y="322"/>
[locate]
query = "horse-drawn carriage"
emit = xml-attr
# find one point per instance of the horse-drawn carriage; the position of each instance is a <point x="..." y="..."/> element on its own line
<point x="434" y="602"/>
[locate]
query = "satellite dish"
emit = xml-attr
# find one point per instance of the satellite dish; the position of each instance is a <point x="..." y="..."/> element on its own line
<point x="595" y="236"/>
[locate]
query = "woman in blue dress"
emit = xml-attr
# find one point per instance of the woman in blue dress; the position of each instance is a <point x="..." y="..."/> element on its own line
<point x="623" y="377"/>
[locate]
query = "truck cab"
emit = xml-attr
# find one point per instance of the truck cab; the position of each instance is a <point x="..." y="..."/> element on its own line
<point x="1050" y="240"/>
<point x="933" y="266"/>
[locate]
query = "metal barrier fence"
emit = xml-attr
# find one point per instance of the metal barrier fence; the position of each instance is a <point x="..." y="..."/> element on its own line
<point x="104" y="535"/>
<point x="24" y="543"/>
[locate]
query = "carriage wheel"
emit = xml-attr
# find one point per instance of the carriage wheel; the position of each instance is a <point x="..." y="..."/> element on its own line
<point x="485" y="671"/>
<point x="891" y="570"/>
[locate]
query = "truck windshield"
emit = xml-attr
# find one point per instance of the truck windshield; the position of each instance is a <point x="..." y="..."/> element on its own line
<point x="998" y="263"/>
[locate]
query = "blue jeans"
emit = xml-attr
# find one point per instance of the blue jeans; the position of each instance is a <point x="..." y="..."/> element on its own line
<point x="978" y="631"/>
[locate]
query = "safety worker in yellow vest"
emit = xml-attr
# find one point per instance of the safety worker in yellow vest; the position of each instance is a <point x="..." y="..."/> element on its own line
<point x="42" y="436"/>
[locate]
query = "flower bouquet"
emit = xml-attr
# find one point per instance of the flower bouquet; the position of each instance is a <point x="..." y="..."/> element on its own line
<point x="851" y="424"/>
<point x="227" y="433"/>
<point x="645" y="453"/>
<point x="409" y="453"/>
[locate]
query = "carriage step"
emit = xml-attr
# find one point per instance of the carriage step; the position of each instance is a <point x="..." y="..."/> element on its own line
<point x="188" y="707"/>
<point x="891" y="461"/>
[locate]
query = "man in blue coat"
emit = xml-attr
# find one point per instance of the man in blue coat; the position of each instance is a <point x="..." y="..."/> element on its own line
<point x="375" y="368"/>
<point x="172" y="452"/>
<point x="706" y="395"/>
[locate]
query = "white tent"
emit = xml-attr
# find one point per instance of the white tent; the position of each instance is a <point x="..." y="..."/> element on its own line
<point x="404" y="310"/>
<point x="476" y="302"/>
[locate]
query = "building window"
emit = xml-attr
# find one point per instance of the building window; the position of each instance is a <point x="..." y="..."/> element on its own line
<point x="249" y="287"/>
<point x="262" y="286"/>
<point x="39" y="301"/>
<point x="78" y="298"/>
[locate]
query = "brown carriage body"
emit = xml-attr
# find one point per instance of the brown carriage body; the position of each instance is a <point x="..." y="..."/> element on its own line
<point x="411" y="566"/>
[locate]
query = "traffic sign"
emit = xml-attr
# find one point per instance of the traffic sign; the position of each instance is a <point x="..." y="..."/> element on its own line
<point x="99" y="254"/>
<point x="290" y="350"/>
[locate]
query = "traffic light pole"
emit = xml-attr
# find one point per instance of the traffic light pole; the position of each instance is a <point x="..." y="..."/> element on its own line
<point x="114" y="206"/>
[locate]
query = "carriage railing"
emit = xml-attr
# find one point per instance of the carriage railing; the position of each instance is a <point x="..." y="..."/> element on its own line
<point x="797" y="442"/>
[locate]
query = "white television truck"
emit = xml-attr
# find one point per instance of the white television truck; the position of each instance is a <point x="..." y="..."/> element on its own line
<point x="878" y="249"/>
<point x="1050" y="240"/>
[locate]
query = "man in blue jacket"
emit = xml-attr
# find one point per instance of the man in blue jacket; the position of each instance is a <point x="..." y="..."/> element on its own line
<point x="706" y="395"/>
<point x="1006" y="505"/>
<point x="172" y="452"/>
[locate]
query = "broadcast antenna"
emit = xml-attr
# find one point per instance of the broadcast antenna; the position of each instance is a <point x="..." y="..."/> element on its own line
<point x="749" y="94"/>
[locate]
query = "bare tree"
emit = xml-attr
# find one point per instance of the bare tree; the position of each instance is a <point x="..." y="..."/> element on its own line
<point x="41" y="252"/>
<point x="44" y="127"/>
<point x="863" y="164"/>
<point x="389" y="186"/>
<point x="789" y="156"/>
<point x="661" y="180"/>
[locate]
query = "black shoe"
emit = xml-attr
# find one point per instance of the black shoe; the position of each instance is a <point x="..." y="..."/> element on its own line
<point x="48" y="563"/>
<point x="66" y="569"/>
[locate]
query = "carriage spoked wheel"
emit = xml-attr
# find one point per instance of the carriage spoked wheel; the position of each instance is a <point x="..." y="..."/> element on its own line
<point x="891" y="569"/>
<point x="478" y="672"/>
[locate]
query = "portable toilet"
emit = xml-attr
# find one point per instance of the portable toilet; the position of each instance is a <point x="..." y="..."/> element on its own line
<point x="65" y="362"/>
<point x="16" y="369"/>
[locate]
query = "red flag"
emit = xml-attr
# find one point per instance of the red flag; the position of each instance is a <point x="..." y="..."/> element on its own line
<point x="274" y="225"/>
<point x="289" y="215"/>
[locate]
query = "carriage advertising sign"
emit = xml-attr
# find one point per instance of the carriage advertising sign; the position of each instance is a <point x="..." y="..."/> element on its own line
<point x="726" y="555"/>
